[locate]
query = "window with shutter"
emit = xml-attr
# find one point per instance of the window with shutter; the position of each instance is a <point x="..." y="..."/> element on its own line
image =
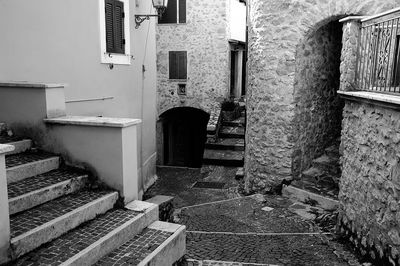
<point x="175" y="13"/>
<point x="114" y="19"/>
<point x="178" y="65"/>
<point x="114" y="32"/>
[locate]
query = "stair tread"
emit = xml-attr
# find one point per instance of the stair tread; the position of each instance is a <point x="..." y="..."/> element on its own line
<point x="232" y="130"/>
<point x="223" y="154"/>
<point x="44" y="180"/>
<point x="137" y="249"/>
<point x="27" y="157"/>
<point x="228" y="142"/>
<point x="313" y="172"/>
<point x="325" y="159"/>
<point x="76" y="240"/>
<point x="27" y="220"/>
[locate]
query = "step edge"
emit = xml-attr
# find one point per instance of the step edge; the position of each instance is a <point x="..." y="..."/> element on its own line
<point x="48" y="188"/>
<point x="149" y="216"/>
<point x="14" y="178"/>
<point x="33" y="163"/>
<point x="333" y="204"/>
<point x="25" y="143"/>
<point x="179" y="232"/>
<point x="59" y="222"/>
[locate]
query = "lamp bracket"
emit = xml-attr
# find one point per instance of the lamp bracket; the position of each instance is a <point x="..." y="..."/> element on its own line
<point x="140" y="18"/>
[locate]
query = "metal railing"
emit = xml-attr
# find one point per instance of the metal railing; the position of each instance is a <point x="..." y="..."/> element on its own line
<point x="378" y="64"/>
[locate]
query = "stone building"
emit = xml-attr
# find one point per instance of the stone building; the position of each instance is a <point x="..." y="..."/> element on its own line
<point x="320" y="79"/>
<point x="200" y="61"/>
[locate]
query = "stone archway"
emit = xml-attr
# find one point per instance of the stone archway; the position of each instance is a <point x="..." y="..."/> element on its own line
<point x="181" y="137"/>
<point x="275" y="30"/>
<point x="318" y="108"/>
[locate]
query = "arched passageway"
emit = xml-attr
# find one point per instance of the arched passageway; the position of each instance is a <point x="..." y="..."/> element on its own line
<point x="318" y="108"/>
<point x="184" y="132"/>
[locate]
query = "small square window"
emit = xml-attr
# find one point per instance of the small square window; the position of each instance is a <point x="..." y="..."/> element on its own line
<point x="181" y="89"/>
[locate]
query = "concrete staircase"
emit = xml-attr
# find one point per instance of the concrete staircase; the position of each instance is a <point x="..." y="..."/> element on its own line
<point x="60" y="216"/>
<point x="227" y="147"/>
<point x="319" y="184"/>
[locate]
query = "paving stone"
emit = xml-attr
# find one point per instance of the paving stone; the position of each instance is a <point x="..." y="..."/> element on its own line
<point x="66" y="246"/>
<point x="278" y="249"/>
<point x="135" y="250"/>
<point x="44" y="180"/>
<point x="223" y="157"/>
<point x="29" y="219"/>
<point x="27" y="157"/>
<point x="243" y="216"/>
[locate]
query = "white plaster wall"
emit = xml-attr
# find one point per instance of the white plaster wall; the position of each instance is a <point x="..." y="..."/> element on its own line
<point x="237" y="21"/>
<point x="59" y="41"/>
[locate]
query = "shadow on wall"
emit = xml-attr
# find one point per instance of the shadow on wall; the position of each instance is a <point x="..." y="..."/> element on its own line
<point x="181" y="135"/>
<point x="318" y="112"/>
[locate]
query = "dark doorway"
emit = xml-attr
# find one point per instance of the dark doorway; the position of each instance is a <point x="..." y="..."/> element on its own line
<point x="238" y="69"/>
<point x="184" y="136"/>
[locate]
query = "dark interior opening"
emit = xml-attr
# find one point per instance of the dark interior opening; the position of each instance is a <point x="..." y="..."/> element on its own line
<point x="185" y="134"/>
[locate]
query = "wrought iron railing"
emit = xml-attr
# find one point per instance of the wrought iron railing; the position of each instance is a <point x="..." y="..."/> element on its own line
<point x="378" y="64"/>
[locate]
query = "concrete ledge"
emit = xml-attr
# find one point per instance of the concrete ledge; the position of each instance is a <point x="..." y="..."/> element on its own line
<point x="4" y="148"/>
<point x="94" y="121"/>
<point x="385" y="100"/>
<point x="20" y="146"/>
<point x="33" y="85"/>
<point x="352" y="18"/>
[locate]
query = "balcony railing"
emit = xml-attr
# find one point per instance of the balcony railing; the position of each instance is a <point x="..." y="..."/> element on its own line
<point x="378" y="64"/>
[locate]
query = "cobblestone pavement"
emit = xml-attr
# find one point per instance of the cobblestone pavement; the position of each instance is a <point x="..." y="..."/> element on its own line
<point x="246" y="230"/>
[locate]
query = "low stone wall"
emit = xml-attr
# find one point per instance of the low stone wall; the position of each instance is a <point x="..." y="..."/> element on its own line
<point x="370" y="185"/>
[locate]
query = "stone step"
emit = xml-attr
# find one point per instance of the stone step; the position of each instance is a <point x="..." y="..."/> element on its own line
<point x="332" y="151"/>
<point x="86" y="244"/>
<point x="226" y="144"/>
<point x="313" y="172"/>
<point x="303" y="195"/>
<point x="240" y="122"/>
<point x="30" y="192"/>
<point x="20" y="144"/>
<point x="223" y="157"/>
<point x="30" y="163"/>
<point x="232" y="132"/>
<point x="328" y="164"/>
<point x="239" y="173"/>
<point x="34" y="227"/>
<point x="160" y="244"/>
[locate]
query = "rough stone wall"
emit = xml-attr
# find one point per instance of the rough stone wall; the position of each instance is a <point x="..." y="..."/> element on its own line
<point x="370" y="185"/>
<point x="276" y="28"/>
<point x="205" y="38"/>
<point x="318" y="112"/>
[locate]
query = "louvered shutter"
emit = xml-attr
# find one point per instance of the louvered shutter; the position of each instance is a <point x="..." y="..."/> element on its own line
<point x="182" y="11"/>
<point x="182" y="74"/>
<point x="115" y="35"/>
<point x="173" y="65"/>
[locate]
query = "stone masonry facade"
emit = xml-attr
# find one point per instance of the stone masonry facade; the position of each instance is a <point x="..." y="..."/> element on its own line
<point x="276" y="30"/>
<point x="205" y="38"/>
<point x="370" y="185"/>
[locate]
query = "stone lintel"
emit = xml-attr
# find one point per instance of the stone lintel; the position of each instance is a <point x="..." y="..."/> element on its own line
<point x="352" y="18"/>
<point x="384" y="100"/>
<point x="33" y="85"/>
<point x="94" y="121"/>
<point x="6" y="148"/>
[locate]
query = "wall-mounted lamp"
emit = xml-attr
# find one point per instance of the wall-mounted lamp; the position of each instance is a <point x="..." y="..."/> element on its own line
<point x="159" y="5"/>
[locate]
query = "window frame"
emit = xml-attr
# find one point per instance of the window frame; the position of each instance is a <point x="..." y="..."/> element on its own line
<point x="114" y="58"/>
<point x="177" y="15"/>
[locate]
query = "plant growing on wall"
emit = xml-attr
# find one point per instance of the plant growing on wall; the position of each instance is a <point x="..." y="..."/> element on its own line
<point x="230" y="110"/>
